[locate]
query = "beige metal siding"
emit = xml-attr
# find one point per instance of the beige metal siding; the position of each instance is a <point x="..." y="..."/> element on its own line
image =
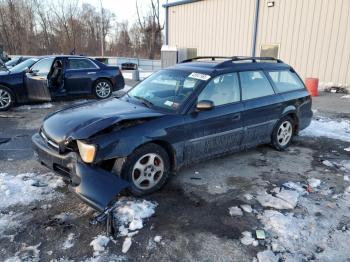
<point x="313" y="35"/>
<point x="214" y="27"/>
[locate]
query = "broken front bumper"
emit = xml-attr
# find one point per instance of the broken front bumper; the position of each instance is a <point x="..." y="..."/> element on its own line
<point x="94" y="185"/>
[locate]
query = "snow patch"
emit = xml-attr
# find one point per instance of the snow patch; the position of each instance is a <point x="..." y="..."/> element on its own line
<point x="248" y="239"/>
<point x="325" y="127"/>
<point x="327" y="163"/>
<point x="28" y="187"/>
<point x="99" y="243"/>
<point x="314" y="182"/>
<point x="235" y="211"/>
<point x="26" y="253"/>
<point x="69" y="243"/>
<point x="267" y="256"/>
<point x="157" y="239"/>
<point x="126" y="245"/>
<point x="282" y="199"/>
<point x="38" y="106"/>
<point x="247" y="208"/>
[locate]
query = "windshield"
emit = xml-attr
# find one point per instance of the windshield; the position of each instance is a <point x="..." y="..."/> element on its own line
<point x="22" y="66"/>
<point x="166" y="89"/>
<point x="12" y="62"/>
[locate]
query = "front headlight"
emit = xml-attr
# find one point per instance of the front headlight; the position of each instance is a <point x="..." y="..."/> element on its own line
<point x="87" y="152"/>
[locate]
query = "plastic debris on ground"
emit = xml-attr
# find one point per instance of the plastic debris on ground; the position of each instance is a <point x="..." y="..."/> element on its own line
<point x="260" y="234"/>
<point x="314" y="182"/>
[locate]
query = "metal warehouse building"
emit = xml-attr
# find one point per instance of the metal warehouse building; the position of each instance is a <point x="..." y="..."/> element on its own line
<point x="311" y="35"/>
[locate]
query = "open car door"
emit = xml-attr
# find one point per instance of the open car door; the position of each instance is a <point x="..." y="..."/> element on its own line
<point x="36" y="80"/>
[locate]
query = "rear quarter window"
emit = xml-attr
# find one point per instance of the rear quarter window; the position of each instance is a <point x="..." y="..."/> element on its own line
<point x="255" y="84"/>
<point x="285" y="80"/>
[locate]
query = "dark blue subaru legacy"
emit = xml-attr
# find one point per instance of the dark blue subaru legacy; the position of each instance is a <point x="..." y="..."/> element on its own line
<point x="48" y="77"/>
<point x="196" y="110"/>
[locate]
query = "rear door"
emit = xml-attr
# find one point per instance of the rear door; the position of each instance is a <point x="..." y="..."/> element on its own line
<point x="36" y="81"/>
<point x="218" y="130"/>
<point x="80" y="75"/>
<point x="262" y="107"/>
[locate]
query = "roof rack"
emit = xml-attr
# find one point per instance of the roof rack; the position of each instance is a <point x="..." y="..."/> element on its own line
<point x="213" y="58"/>
<point x="231" y="59"/>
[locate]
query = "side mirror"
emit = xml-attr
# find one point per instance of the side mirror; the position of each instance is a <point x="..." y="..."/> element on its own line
<point x="27" y="70"/>
<point x="204" y="105"/>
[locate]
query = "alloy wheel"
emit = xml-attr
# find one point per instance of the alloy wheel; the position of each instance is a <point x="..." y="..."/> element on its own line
<point x="148" y="171"/>
<point x="284" y="133"/>
<point x="5" y="99"/>
<point x="103" y="89"/>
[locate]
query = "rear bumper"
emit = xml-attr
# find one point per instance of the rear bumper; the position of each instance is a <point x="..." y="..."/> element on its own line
<point x="92" y="184"/>
<point x="119" y="82"/>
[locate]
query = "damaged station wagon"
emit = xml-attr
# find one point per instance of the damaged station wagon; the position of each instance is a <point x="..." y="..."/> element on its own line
<point x="196" y="110"/>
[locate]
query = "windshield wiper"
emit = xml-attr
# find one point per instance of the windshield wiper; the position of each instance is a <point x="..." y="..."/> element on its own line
<point x="144" y="101"/>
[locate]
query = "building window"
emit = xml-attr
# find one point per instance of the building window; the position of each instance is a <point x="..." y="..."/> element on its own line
<point x="269" y="50"/>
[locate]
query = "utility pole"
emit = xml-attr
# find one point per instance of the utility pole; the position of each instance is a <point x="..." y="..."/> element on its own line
<point x="102" y="40"/>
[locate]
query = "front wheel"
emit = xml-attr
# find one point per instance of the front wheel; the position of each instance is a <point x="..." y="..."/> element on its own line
<point x="6" y="98"/>
<point x="147" y="169"/>
<point x="102" y="89"/>
<point x="282" y="134"/>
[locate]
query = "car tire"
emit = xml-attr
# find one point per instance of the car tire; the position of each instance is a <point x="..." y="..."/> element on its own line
<point x="102" y="89"/>
<point x="283" y="133"/>
<point x="7" y="99"/>
<point x="146" y="169"/>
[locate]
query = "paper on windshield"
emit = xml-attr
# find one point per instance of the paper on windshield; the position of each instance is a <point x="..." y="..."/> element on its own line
<point x="199" y="76"/>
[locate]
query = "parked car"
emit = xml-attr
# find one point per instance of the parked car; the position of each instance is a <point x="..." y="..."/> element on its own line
<point x="49" y="77"/>
<point x="190" y="112"/>
<point x="15" y="61"/>
<point x="129" y="66"/>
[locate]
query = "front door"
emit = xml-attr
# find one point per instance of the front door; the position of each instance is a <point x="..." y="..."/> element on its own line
<point x="36" y="81"/>
<point x="80" y="75"/>
<point x="219" y="130"/>
<point x="262" y="107"/>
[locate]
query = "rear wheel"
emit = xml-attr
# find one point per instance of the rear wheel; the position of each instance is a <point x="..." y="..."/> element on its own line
<point x="102" y="89"/>
<point x="283" y="133"/>
<point x="147" y="169"/>
<point x="6" y="98"/>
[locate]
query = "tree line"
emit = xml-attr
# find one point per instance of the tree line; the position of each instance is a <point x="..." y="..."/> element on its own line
<point x="35" y="27"/>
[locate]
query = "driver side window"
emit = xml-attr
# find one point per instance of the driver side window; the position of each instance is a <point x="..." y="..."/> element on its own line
<point x="222" y="90"/>
<point x="43" y="66"/>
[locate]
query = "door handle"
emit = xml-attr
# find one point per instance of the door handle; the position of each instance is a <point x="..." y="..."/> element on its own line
<point x="91" y="73"/>
<point x="236" y="117"/>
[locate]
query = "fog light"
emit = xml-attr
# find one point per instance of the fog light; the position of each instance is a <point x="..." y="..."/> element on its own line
<point x="87" y="152"/>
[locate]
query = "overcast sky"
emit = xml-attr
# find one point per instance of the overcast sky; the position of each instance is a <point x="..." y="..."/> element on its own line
<point x="126" y="9"/>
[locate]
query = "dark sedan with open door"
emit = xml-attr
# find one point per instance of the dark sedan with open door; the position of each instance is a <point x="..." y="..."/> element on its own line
<point x="45" y="78"/>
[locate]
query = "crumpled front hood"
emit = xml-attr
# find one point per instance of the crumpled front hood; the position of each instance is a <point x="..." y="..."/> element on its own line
<point x="84" y="120"/>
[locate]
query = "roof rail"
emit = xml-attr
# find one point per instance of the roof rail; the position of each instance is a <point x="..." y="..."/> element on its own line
<point x="206" y="57"/>
<point x="254" y="58"/>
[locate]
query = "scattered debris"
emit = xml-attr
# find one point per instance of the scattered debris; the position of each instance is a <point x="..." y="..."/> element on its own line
<point x="248" y="196"/>
<point x="346" y="178"/>
<point x="99" y="243"/>
<point x="126" y="245"/>
<point x="260" y="234"/>
<point x="235" y="211"/>
<point x="247" y="208"/>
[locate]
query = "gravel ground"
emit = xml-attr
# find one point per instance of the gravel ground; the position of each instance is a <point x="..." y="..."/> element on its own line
<point x="300" y="198"/>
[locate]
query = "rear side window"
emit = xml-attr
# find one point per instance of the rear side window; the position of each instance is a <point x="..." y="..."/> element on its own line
<point x="77" y="63"/>
<point x="255" y="84"/>
<point x="222" y="90"/>
<point x="286" y="80"/>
